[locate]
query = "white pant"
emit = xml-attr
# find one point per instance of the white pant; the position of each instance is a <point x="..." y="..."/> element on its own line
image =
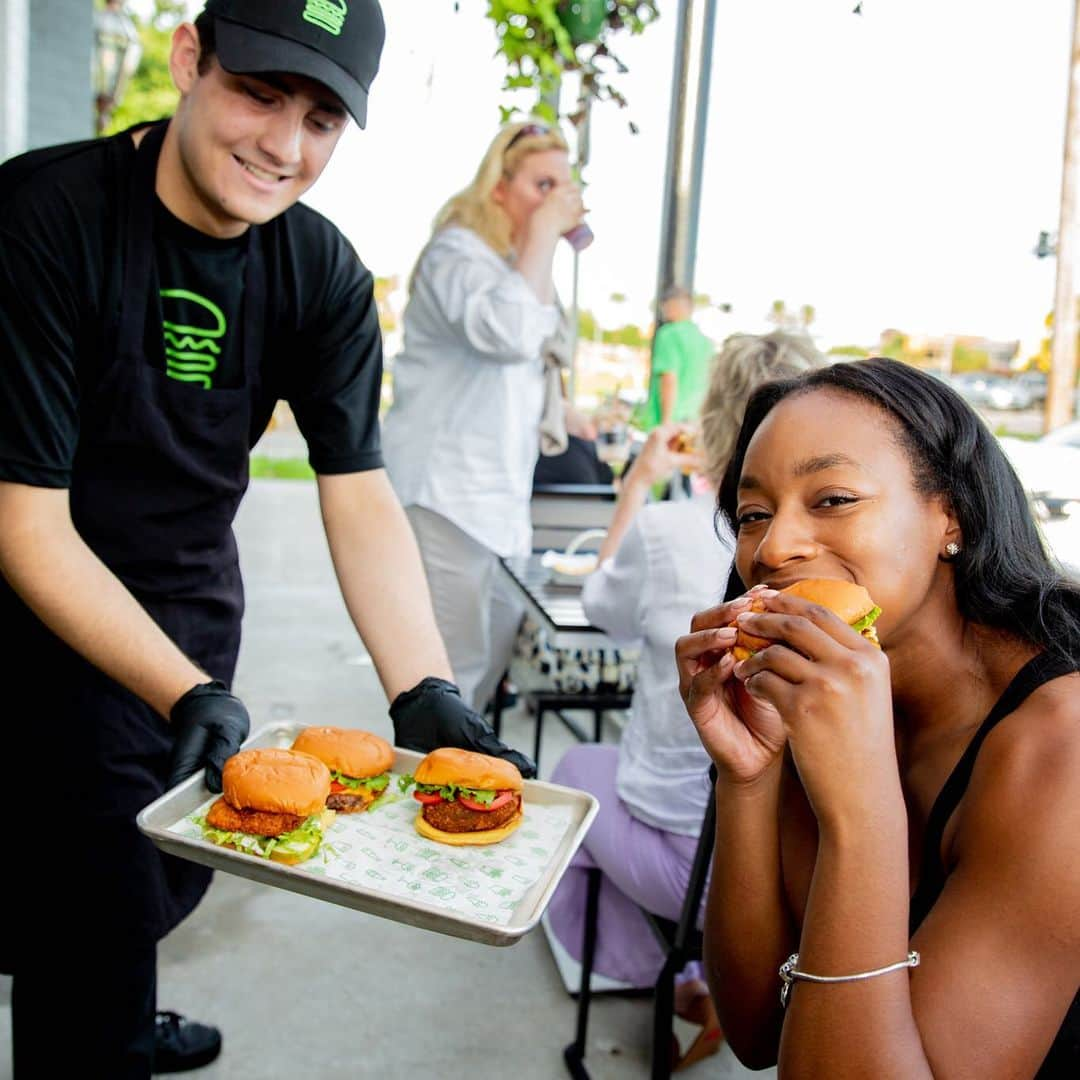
<point x="477" y="613"/>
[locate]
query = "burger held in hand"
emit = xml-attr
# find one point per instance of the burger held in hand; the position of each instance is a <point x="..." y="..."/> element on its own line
<point x="273" y="805"/>
<point x="849" y="601"/>
<point x="359" y="764"/>
<point x="466" y="798"/>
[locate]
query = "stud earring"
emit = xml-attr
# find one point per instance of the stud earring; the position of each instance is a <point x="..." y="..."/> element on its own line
<point x="952" y="549"/>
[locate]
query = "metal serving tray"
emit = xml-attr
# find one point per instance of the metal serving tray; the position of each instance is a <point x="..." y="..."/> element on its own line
<point x="158" y="819"/>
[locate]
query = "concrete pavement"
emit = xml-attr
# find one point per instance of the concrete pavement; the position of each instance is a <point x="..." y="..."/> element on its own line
<point x="301" y="987"/>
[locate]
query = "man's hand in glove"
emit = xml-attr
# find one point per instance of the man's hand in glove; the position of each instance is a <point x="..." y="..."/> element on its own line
<point x="432" y="714"/>
<point x="210" y="724"/>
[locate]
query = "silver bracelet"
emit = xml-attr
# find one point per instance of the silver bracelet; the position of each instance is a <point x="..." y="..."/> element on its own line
<point x="789" y="972"/>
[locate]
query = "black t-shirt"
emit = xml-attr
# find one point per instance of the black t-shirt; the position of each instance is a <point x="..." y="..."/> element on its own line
<point x="62" y="224"/>
<point x="198" y="338"/>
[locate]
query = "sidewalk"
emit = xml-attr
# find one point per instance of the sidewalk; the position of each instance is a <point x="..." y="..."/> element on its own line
<point x="301" y="987"/>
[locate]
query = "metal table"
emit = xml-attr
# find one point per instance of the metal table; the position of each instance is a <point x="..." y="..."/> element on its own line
<point x="558" y="608"/>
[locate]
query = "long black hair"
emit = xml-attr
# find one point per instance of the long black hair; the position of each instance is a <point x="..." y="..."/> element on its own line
<point x="1004" y="577"/>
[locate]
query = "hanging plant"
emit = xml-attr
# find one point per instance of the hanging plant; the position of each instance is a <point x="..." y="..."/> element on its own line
<point x="540" y="40"/>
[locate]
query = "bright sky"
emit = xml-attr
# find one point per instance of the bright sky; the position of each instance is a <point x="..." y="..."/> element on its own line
<point x="892" y="168"/>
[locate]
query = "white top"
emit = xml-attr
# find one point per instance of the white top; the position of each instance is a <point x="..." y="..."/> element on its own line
<point x="669" y="566"/>
<point x="462" y="436"/>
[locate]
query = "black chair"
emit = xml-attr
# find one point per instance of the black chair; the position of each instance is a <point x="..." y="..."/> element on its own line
<point x="682" y="941"/>
<point x="541" y="702"/>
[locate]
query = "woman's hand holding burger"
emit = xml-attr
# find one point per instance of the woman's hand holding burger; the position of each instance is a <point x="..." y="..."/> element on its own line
<point x="830" y="687"/>
<point x="743" y="734"/>
<point x="661" y="456"/>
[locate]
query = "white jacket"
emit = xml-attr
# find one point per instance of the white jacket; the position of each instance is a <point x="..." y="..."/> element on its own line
<point x="669" y="566"/>
<point x="462" y="435"/>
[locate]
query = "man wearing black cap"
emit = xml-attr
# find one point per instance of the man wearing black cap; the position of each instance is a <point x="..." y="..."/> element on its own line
<point x="160" y="290"/>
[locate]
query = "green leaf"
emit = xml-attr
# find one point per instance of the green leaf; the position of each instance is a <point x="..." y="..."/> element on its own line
<point x="450" y="792"/>
<point x="369" y="783"/>
<point x="307" y="835"/>
<point x="544" y="110"/>
<point x="867" y="620"/>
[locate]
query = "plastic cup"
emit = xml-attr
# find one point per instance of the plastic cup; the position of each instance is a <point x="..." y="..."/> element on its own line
<point x="579" y="237"/>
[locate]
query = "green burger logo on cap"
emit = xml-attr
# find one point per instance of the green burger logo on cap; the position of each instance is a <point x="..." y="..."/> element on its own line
<point x="329" y="14"/>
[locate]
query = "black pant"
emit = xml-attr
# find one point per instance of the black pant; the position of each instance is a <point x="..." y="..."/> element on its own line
<point x="86" y="1011"/>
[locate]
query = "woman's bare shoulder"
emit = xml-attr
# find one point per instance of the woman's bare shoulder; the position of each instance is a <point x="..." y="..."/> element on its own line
<point x="1027" y="773"/>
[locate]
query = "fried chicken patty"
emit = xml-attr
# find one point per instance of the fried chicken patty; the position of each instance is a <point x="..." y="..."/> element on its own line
<point x="261" y="823"/>
<point x="453" y="817"/>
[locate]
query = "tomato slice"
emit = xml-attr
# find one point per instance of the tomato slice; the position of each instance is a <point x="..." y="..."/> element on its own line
<point x="335" y="787"/>
<point x="427" y="798"/>
<point x="500" y="800"/>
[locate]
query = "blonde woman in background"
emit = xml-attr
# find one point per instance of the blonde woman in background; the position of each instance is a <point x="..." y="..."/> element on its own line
<point x="659" y="564"/>
<point x="473" y="394"/>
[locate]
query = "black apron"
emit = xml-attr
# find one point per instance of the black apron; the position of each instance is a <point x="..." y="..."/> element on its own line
<point x="159" y="473"/>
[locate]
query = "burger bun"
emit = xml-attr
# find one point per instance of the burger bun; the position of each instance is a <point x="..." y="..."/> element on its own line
<point x="844" y="598"/>
<point x="349" y="751"/>
<point x="276" y="781"/>
<point x="465" y="768"/>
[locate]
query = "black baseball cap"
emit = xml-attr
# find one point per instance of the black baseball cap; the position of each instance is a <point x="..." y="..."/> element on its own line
<point x="334" y="42"/>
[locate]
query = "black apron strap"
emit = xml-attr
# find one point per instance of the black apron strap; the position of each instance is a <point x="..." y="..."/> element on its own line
<point x="139" y="243"/>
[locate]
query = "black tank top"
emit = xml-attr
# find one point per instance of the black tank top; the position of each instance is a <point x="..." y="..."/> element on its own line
<point x="1063" y="1061"/>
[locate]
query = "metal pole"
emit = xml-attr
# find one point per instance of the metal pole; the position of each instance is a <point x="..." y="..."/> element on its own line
<point x="686" y="144"/>
<point x="1061" y="385"/>
<point x="14" y="76"/>
<point x="584" y="104"/>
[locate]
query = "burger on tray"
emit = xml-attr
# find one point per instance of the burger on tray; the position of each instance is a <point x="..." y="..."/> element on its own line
<point x="359" y="764"/>
<point x="273" y="805"/>
<point x="844" y="598"/>
<point x="466" y="798"/>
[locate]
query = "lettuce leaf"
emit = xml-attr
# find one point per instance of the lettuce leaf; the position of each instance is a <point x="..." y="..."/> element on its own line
<point x="449" y="791"/>
<point x="298" y="841"/>
<point x="867" y="620"/>
<point x="373" y="784"/>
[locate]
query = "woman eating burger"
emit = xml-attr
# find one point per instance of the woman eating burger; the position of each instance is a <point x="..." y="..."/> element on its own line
<point x="897" y="828"/>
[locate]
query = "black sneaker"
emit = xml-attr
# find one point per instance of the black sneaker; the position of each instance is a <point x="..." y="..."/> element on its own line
<point x="181" y="1044"/>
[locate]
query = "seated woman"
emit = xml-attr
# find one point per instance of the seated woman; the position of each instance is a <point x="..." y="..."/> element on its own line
<point x="658" y="564"/>
<point x="904" y="820"/>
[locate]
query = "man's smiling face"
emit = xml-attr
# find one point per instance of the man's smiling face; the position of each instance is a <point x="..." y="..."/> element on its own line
<point x="246" y="147"/>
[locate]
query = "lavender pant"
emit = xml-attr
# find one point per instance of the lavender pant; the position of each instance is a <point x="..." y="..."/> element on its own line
<point x="642" y="865"/>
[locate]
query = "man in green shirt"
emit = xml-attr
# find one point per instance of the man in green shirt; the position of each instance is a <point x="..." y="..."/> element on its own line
<point x="680" y="364"/>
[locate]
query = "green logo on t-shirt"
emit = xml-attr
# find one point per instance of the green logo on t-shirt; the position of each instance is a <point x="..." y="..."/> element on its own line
<point x="328" y="15"/>
<point x="191" y="352"/>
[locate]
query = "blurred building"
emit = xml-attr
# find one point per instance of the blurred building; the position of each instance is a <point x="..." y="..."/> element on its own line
<point x="46" y="60"/>
<point x="949" y="352"/>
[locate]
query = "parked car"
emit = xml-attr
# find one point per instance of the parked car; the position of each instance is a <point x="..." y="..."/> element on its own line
<point x="1035" y="381"/>
<point x="988" y="391"/>
<point x="1049" y="469"/>
<point x="1006" y="393"/>
<point x="971" y="386"/>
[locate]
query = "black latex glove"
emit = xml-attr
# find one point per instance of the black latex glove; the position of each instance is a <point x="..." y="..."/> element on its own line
<point x="432" y="714"/>
<point x="210" y="724"/>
